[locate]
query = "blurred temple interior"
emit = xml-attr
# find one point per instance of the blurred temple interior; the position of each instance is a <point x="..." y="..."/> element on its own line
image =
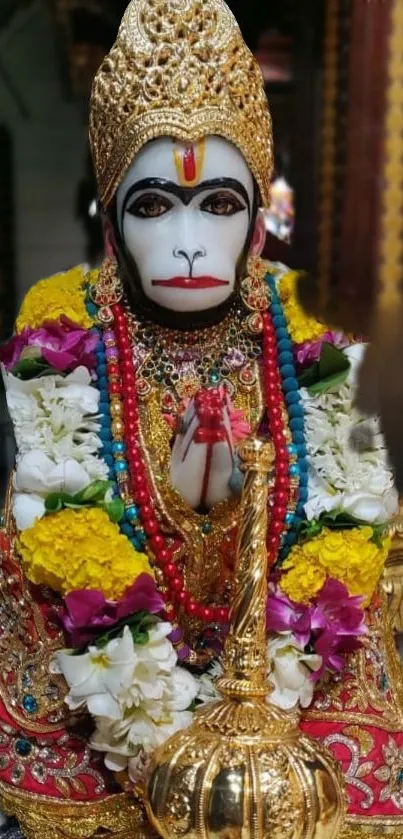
<point x="324" y="65"/>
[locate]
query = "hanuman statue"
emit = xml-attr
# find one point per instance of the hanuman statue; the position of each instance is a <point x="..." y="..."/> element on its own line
<point x="130" y="390"/>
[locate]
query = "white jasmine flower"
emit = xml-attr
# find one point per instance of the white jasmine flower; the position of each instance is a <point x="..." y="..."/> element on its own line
<point x="55" y="415"/>
<point x="154" y="662"/>
<point x="123" y="738"/>
<point x="36" y="476"/>
<point x="208" y="691"/>
<point x="96" y="678"/>
<point x="342" y="476"/>
<point x="148" y="724"/>
<point x="27" y="509"/>
<point x="55" y="426"/>
<point x="290" y="674"/>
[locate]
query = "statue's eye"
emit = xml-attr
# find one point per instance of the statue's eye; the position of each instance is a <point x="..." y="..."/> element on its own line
<point x="222" y="204"/>
<point x="150" y="205"/>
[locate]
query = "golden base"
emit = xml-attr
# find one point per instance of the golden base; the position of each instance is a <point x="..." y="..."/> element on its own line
<point x="372" y="829"/>
<point x="117" y="817"/>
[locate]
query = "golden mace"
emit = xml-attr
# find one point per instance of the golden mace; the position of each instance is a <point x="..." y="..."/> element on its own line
<point x="244" y="770"/>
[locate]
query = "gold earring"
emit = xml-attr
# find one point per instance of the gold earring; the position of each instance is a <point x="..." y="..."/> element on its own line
<point x="108" y="290"/>
<point x="255" y="293"/>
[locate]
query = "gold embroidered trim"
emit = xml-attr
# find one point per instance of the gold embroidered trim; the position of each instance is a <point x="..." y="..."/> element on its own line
<point x="119" y="816"/>
<point x="370" y="827"/>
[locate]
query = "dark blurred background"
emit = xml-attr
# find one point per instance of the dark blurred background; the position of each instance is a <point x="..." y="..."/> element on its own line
<point x="324" y="64"/>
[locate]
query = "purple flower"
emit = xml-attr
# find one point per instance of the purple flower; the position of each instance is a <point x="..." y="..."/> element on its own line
<point x="88" y="614"/>
<point x="61" y="344"/>
<point x="337" y="622"/>
<point x="332" y="625"/>
<point x="309" y="351"/>
<point x="285" y="616"/>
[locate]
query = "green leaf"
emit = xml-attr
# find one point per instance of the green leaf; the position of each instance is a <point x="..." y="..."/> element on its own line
<point x="330" y="383"/>
<point x="56" y="501"/>
<point x="138" y="624"/>
<point x="309" y="376"/>
<point x="326" y="374"/>
<point x="96" y="491"/>
<point x="337" y="520"/>
<point x="29" y="368"/>
<point x="309" y="529"/>
<point x="331" y="361"/>
<point x="115" y="510"/>
<point x="140" y="638"/>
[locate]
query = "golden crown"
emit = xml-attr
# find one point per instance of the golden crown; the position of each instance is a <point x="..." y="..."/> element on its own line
<point x="178" y="68"/>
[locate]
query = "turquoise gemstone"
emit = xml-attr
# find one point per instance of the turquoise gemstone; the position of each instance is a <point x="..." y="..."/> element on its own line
<point x="290" y="383"/>
<point x="126" y="529"/>
<point x="29" y="703"/>
<point x="289" y="519"/>
<point x="292" y="449"/>
<point x="207" y="527"/>
<point x="400" y="777"/>
<point x="132" y="513"/>
<point x="23" y="747"/>
<point x="287" y="370"/>
<point x="214" y="377"/>
<point x="118" y="447"/>
<point x="141" y="536"/>
<point x="121" y="466"/>
<point x="294" y="469"/>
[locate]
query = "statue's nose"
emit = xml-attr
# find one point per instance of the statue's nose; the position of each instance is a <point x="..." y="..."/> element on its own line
<point x="190" y="255"/>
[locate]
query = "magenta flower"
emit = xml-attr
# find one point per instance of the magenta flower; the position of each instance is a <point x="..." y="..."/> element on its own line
<point x="309" y="351"/>
<point x="332" y="625"/>
<point x="88" y="614"/>
<point x="285" y="616"/>
<point x="337" y="622"/>
<point x="60" y="344"/>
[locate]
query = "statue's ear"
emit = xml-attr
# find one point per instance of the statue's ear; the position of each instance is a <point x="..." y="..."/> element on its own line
<point x="109" y="237"/>
<point x="259" y="235"/>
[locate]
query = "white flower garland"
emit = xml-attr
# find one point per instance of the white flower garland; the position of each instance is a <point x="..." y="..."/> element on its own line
<point x="56" y="430"/>
<point x="348" y="463"/>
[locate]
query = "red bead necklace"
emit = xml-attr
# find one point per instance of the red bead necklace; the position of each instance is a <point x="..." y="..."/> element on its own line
<point x="122" y="377"/>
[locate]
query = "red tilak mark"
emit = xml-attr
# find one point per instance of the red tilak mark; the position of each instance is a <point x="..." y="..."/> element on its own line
<point x="189" y="164"/>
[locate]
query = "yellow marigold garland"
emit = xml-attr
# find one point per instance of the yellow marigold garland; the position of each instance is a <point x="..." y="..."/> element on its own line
<point x="350" y="556"/>
<point x="301" y="326"/>
<point x="62" y="294"/>
<point x="81" y="549"/>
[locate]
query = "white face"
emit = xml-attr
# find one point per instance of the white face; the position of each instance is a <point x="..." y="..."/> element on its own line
<point x="184" y="213"/>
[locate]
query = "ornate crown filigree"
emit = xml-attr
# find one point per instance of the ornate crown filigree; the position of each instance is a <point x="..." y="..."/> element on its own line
<point x="178" y="68"/>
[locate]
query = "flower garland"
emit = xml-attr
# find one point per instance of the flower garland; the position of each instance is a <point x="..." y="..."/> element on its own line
<point x="71" y="392"/>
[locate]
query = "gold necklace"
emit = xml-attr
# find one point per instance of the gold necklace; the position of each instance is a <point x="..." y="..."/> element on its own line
<point x="181" y="363"/>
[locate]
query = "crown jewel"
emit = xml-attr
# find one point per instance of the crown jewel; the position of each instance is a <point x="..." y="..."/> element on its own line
<point x="178" y="68"/>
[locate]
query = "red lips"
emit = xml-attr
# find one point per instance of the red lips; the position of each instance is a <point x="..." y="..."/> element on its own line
<point x="191" y="283"/>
